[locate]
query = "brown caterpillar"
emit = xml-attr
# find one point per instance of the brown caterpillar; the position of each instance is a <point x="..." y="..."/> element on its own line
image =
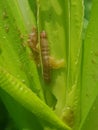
<point x="45" y="53"/>
<point x="33" y="39"/>
<point x="32" y="43"/>
<point x="48" y="62"/>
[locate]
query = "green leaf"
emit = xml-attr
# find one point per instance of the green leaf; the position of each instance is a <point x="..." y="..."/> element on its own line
<point x="90" y="65"/>
<point x="19" y="54"/>
<point x="29" y="100"/>
<point x="75" y="40"/>
<point x="3" y="115"/>
<point x="75" y="25"/>
<point x="92" y="117"/>
<point x="52" y="20"/>
<point x="15" y="57"/>
<point x="22" y="118"/>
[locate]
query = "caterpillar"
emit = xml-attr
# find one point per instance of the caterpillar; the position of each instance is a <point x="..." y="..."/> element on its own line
<point x="32" y="43"/>
<point x="48" y="62"/>
<point x="33" y="39"/>
<point x="45" y="53"/>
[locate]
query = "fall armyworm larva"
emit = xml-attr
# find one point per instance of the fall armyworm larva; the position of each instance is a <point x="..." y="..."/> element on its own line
<point x="33" y="39"/>
<point x="45" y="56"/>
<point x="32" y="43"/>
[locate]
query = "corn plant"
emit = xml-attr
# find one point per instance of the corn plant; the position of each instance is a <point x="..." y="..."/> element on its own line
<point x="48" y="65"/>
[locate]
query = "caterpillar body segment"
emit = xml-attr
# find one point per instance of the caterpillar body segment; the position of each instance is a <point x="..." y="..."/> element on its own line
<point x="45" y="53"/>
<point x="56" y="64"/>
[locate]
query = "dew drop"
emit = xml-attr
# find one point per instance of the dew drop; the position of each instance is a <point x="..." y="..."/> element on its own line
<point x="21" y="88"/>
<point x="76" y="62"/>
<point x="4" y="14"/>
<point x="4" y="37"/>
<point x="91" y="52"/>
<point x="6" y="28"/>
<point x="23" y="81"/>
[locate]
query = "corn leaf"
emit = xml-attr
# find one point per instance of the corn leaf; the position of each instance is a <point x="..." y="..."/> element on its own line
<point x="28" y="99"/>
<point x="90" y="67"/>
<point x="15" y="57"/>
